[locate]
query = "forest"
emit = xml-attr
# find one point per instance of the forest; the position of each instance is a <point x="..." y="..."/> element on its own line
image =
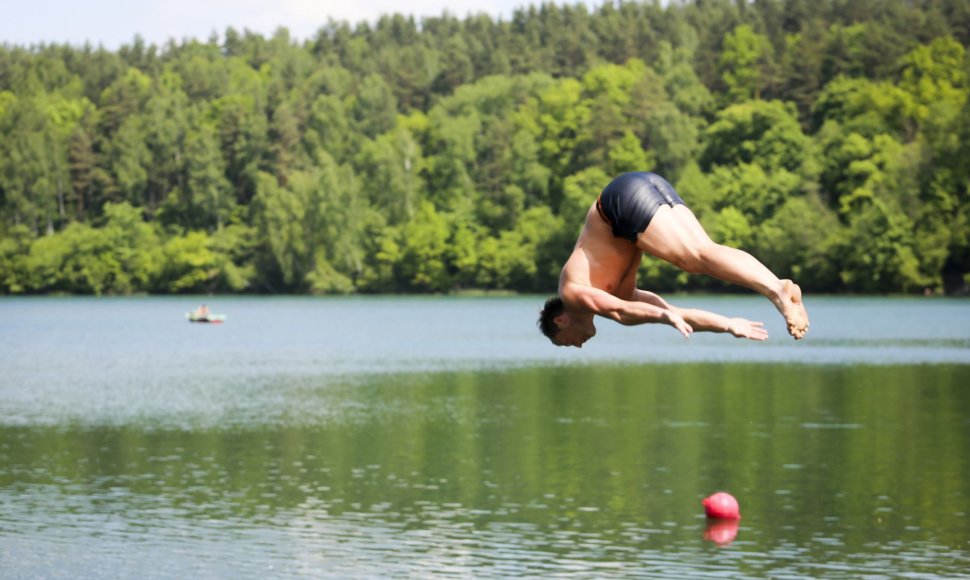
<point x="830" y="138"/>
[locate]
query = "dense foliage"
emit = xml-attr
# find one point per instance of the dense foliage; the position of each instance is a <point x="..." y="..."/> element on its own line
<point x="828" y="137"/>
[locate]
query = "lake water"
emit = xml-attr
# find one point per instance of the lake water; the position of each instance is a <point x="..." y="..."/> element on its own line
<point x="437" y="437"/>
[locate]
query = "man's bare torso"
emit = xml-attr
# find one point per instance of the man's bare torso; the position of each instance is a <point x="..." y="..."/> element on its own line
<point x="599" y="260"/>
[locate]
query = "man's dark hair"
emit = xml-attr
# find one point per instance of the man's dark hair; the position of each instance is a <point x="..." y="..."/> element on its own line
<point x="547" y="324"/>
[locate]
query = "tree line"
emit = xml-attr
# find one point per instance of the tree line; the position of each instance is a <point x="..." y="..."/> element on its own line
<point x="830" y="138"/>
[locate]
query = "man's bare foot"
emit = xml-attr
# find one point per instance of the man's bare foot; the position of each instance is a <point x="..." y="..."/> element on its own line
<point x="791" y="307"/>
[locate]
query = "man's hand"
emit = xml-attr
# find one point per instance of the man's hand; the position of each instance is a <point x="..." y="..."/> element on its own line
<point x="744" y="328"/>
<point x="677" y="321"/>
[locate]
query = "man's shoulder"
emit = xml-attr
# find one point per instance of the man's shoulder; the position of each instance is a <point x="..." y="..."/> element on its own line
<point x="576" y="295"/>
<point x="570" y="291"/>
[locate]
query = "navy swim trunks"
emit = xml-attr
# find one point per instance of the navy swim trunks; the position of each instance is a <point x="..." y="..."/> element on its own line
<point x="630" y="201"/>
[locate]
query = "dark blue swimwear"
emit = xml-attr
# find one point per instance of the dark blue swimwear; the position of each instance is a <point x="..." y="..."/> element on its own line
<point x="631" y="200"/>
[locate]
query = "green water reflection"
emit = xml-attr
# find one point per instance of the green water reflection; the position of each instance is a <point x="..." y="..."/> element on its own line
<point x="839" y="470"/>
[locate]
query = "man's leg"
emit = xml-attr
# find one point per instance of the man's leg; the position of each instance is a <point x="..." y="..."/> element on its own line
<point x="675" y="235"/>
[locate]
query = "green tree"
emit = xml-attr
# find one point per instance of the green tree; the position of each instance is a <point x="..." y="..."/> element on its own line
<point x="390" y="169"/>
<point x="621" y="102"/>
<point x="763" y="132"/>
<point x="802" y="65"/>
<point x="329" y="128"/>
<point x="579" y="192"/>
<point x="798" y="242"/>
<point x="14" y="250"/>
<point x="234" y="247"/>
<point x="205" y="200"/>
<point x="242" y="133"/>
<point x="424" y="251"/>
<point x="555" y="118"/>
<point x="130" y="161"/>
<point x="751" y="190"/>
<point x="189" y="264"/>
<point x="745" y="62"/>
<point x="121" y="257"/>
<point x="34" y="172"/>
<point x="375" y="108"/>
<point x="88" y="179"/>
<point x="168" y="117"/>
<point x="311" y="228"/>
<point x="125" y="97"/>
<point x="878" y="252"/>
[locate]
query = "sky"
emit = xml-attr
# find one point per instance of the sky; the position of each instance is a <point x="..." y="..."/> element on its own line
<point x="112" y="23"/>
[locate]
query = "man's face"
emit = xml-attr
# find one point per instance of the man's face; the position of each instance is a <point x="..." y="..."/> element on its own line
<point x="573" y="331"/>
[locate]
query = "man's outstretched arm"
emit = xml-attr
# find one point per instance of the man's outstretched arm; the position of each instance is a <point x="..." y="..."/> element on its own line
<point x="626" y="312"/>
<point x="704" y="321"/>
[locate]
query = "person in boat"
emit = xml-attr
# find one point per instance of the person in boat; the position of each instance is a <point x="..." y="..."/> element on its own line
<point x="639" y="213"/>
<point x="201" y="312"/>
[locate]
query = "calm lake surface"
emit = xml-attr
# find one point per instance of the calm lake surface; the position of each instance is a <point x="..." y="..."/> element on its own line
<point x="437" y="437"/>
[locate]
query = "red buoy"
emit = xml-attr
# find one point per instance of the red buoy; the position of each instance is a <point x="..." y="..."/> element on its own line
<point x="722" y="506"/>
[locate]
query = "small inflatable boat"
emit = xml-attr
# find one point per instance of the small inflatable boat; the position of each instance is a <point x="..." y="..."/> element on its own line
<point x="211" y="318"/>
